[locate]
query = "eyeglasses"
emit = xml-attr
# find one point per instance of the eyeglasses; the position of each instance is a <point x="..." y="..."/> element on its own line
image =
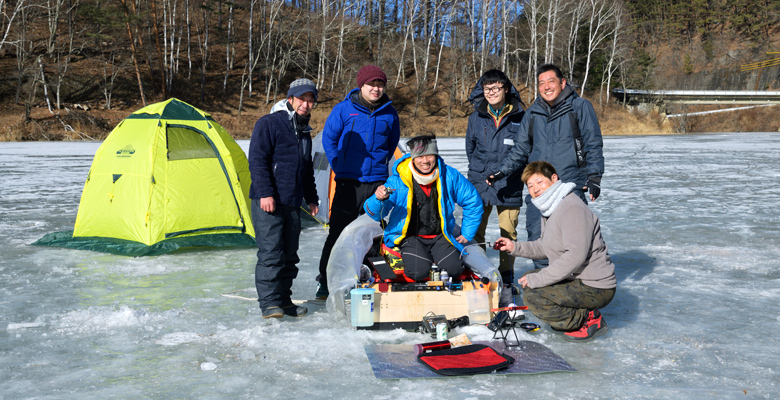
<point x="494" y="89"/>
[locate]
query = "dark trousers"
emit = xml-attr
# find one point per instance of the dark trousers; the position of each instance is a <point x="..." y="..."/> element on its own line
<point x="565" y="305"/>
<point x="346" y="207"/>
<point x="533" y="223"/>
<point x="277" y="236"/>
<point x="419" y="254"/>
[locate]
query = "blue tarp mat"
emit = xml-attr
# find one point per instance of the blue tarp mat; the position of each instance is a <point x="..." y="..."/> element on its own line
<point x="396" y="361"/>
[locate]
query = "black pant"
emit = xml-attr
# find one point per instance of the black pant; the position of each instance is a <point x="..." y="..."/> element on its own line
<point x="565" y="305"/>
<point x="346" y="207"/>
<point x="277" y="235"/>
<point x="419" y="254"/>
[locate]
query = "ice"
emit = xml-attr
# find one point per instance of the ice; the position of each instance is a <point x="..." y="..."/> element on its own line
<point x="692" y="223"/>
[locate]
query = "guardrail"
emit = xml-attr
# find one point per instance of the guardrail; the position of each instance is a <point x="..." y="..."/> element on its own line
<point x="635" y="96"/>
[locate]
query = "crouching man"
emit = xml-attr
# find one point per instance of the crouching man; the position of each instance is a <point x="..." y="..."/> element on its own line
<point x="282" y="176"/>
<point x="420" y="198"/>
<point x="581" y="277"/>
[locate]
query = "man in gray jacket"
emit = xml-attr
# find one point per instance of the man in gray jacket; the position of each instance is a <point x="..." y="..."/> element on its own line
<point x="581" y="277"/>
<point x="491" y="133"/>
<point x="561" y="128"/>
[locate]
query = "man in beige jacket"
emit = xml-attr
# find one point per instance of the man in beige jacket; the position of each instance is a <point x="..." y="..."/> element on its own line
<point x="581" y="278"/>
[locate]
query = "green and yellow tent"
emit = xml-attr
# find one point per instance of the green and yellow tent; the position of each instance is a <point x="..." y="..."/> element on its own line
<point x="168" y="176"/>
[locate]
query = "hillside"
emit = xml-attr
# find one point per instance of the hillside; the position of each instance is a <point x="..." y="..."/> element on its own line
<point x="94" y="63"/>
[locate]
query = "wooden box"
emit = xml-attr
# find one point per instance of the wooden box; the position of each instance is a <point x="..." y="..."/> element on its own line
<point x="405" y="309"/>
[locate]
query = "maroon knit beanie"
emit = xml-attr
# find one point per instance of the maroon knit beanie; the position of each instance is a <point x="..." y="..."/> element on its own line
<point x="370" y="73"/>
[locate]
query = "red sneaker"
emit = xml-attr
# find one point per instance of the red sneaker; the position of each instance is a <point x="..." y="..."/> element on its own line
<point x="594" y="326"/>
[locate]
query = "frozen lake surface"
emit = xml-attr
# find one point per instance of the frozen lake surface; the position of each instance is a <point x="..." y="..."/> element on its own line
<point x="692" y="224"/>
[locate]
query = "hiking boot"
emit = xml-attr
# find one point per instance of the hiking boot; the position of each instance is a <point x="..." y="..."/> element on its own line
<point x="594" y="326"/>
<point x="273" y="312"/>
<point x="294" y="311"/>
<point x="322" y="291"/>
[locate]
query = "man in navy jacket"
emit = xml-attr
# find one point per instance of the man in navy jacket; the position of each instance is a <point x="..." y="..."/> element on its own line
<point x="282" y="177"/>
<point x="359" y="138"/>
<point x="561" y="128"/>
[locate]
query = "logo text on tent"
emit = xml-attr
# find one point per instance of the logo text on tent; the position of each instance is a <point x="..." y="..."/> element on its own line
<point x="126" y="151"/>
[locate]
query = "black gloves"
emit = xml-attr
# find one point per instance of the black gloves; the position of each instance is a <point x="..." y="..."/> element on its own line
<point x="594" y="186"/>
<point x="496" y="176"/>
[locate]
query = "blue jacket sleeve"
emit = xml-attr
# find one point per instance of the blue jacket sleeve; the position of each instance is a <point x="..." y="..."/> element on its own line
<point x="591" y="136"/>
<point x="261" y="159"/>
<point x="334" y="127"/>
<point x="468" y="198"/>
<point x="518" y="155"/>
<point x="379" y="209"/>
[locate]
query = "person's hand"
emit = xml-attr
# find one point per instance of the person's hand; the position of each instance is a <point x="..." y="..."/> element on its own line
<point x="268" y="204"/>
<point x="461" y="239"/>
<point x="593" y="186"/>
<point x="504" y="244"/>
<point x="523" y="282"/>
<point x="314" y="209"/>
<point x="496" y="176"/>
<point x="382" y="192"/>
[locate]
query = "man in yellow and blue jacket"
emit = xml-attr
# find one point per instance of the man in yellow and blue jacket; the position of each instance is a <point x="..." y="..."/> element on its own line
<point x="420" y="198"/>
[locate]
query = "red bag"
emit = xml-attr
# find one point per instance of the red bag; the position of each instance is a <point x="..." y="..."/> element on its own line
<point x="466" y="360"/>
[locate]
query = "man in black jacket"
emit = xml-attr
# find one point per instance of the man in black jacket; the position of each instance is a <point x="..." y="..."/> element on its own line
<point x="561" y="128"/>
<point x="491" y="133"/>
<point x="282" y="176"/>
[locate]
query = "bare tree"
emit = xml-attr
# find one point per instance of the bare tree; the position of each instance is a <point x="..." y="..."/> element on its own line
<point x="21" y="53"/>
<point x="133" y="51"/>
<point x="444" y="31"/>
<point x="617" y="49"/>
<point x="410" y="19"/>
<point x="109" y="77"/>
<point x="554" y="8"/>
<point x="203" y="45"/>
<point x="63" y="62"/>
<point x="532" y="9"/>
<point x="8" y="19"/>
<point x="600" y="15"/>
<point x="576" y="15"/>
<point x="485" y="24"/>
<point x="228" y="48"/>
<point x="160" y="57"/>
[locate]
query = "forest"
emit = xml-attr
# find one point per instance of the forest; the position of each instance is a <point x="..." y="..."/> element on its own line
<point x="77" y="64"/>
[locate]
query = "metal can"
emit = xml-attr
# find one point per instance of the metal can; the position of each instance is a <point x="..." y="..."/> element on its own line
<point x="441" y="331"/>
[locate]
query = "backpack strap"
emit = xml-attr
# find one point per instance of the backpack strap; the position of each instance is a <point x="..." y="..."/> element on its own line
<point x="575" y="133"/>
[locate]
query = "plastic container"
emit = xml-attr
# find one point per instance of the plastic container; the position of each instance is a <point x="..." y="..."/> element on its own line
<point x="479" y="306"/>
<point x="362" y="306"/>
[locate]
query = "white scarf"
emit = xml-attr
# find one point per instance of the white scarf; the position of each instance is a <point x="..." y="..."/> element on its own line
<point x="424" y="179"/>
<point x="549" y="200"/>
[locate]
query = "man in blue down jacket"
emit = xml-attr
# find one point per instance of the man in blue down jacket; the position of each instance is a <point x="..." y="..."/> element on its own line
<point x="420" y="198"/>
<point x="359" y="138"/>
<point x="491" y="133"/>
<point x="282" y="176"/>
<point x="566" y="134"/>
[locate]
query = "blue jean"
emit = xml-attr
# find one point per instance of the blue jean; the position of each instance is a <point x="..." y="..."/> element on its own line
<point x="533" y="223"/>
<point x="277" y="237"/>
